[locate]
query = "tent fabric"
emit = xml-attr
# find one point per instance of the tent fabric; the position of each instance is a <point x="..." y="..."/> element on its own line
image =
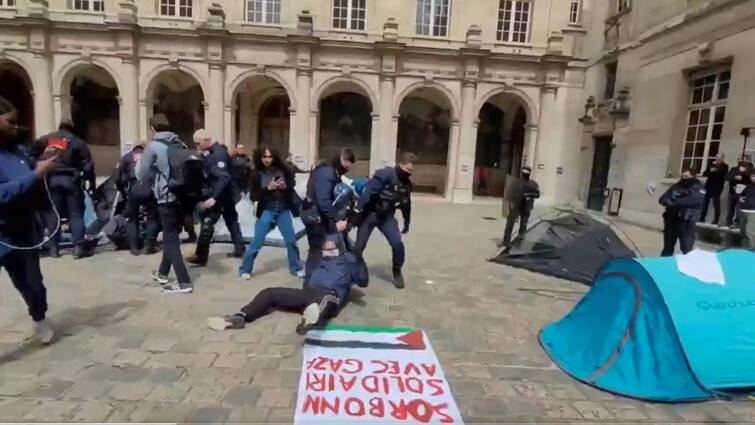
<point x="647" y="331"/>
<point x="572" y="247"/>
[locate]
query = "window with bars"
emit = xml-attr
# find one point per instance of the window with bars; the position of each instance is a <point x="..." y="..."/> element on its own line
<point x="349" y="14"/>
<point x="433" y="17"/>
<point x="7" y="3"/>
<point x="514" y="21"/>
<point x="623" y="5"/>
<point x="89" y="5"/>
<point x="575" y="12"/>
<point x="263" y="11"/>
<point x="705" y="119"/>
<point x="179" y="8"/>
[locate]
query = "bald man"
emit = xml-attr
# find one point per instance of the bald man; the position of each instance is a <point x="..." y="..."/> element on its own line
<point x="219" y="199"/>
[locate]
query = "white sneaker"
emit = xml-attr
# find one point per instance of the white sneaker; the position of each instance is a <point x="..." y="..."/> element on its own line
<point x="162" y="280"/>
<point x="300" y="274"/>
<point x="44" y="331"/>
<point x="311" y="314"/>
<point x="246" y="276"/>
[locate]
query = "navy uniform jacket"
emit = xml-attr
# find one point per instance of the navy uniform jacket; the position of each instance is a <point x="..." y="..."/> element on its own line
<point x="338" y="274"/>
<point x="375" y="185"/>
<point x="217" y="166"/>
<point x="80" y="162"/>
<point x="19" y="194"/>
<point x="322" y="181"/>
<point x="683" y="202"/>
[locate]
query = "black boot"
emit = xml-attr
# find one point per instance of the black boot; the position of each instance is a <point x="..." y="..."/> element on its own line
<point x="135" y="250"/>
<point x="54" y="252"/>
<point x="238" y="252"/>
<point x="398" y="279"/>
<point x="149" y="249"/>
<point x="81" y="251"/>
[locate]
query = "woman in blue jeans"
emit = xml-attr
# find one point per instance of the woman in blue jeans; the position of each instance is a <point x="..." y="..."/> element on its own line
<point x="273" y="190"/>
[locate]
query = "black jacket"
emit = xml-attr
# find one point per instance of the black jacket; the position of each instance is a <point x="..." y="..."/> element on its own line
<point x="320" y="186"/>
<point x="126" y="181"/>
<point x="683" y="200"/>
<point x="264" y="197"/>
<point x="75" y="164"/>
<point x="732" y="179"/>
<point x="217" y="165"/>
<point x="716" y="178"/>
<point x="524" y="194"/>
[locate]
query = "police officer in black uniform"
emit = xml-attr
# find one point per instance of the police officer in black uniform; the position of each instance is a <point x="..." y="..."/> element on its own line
<point x="389" y="189"/>
<point x="683" y="202"/>
<point x="219" y="202"/>
<point x="522" y="202"/>
<point x="67" y="183"/>
<point x="138" y="195"/>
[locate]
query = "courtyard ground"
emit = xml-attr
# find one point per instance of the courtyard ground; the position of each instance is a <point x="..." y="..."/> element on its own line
<point x="128" y="353"/>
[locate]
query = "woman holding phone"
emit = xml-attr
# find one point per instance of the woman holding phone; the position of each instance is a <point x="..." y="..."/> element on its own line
<point x="273" y="190"/>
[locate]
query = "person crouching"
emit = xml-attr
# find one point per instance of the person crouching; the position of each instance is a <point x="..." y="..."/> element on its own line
<point x="321" y="298"/>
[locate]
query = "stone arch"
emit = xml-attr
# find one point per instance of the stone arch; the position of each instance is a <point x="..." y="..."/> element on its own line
<point x="21" y="97"/>
<point x="365" y="90"/>
<point x="529" y="105"/>
<point x="179" y="94"/>
<point x="452" y="101"/>
<point x="146" y="84"/>
<point x="233" y="85"/>
<point x="64" y="77"/>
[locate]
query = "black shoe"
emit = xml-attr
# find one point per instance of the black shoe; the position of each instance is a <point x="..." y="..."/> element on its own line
<point x="190" y="239"/>
<point x="196" y="261"/>
<point x="237" y="253"/>
<point x="80" y="252"/>
<point x="309" y="319"/>
<point x="149" y="250"/>
<point x="178" y="288"/>
<point x="398" y="279"/>
<point x="54" y="252"/>
<point x="135" y="252"/>
<point x="235" y="321"/>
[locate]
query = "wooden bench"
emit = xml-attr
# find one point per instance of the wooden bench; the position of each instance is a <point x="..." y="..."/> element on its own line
<point x="720" y="235"/>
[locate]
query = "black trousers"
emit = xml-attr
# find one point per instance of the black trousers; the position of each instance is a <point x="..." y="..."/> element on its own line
<point x="677" y="229"/>
<point x="716" y="198"/>
<point x="388" y="226"/>
<point x="68" y="198"/>
<point x="292" y="300"/>
<point x="316" y="234"/>
<point x="24" y="272"/>
<point x="523" y="216"/>
<point x="732" y="210"/>
<point x="132" y="214"/>
<point x="225" y="208"/>
<point x="171" y="219"/>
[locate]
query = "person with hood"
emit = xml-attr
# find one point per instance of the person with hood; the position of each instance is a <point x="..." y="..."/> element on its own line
<point x="738" y="178"/>
<point x="218" y="202"/>
<point x="241" y="168"/>
<point x="154" y="169"/>
<point x="137" y="195"/>
<point x="74" y="174"/>
<point x="714" y="185"/>
<point x="272" y="189"/>
<point x="388" y="190"/>
<point x="683" y="202"/>
<point x="318" y="214"/>
<point x="522" y="203"/>
<point x="321" y="299"/>
<point x="21" y="193"/>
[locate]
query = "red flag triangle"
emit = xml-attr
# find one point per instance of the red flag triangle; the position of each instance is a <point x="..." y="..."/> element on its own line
<point x="414" y="339"/>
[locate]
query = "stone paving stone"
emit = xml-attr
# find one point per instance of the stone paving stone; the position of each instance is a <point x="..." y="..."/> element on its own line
<point x="165" y="375"/>
<point x="52" y="411"/>
<point x="181" y="360"/>
<point x="208" y="415"/>
<point x="565" y="392"/>
<point x="16" y="387"/>
<point x="523" y="408"/>
<point x="625" y="411"/>
<point x="105" y="372"/>
<point x="130" y="358"/>
<point x="88" y="390"/>
<point x="232" y="361"/>
<point x="50" y="389"/>
<point x="131" y="391"/>
<point x="242" y="396"/>
<point x="280" y="416"/>
<point x="592" y="410"/>
<point x="157" y="343"/>
<point x="93" y="412"/>
<point x="276" y="398"/>
<point x="247" y="415"/>
<point x="531" y="390"/>
<point x="168" y="393"/>
<point x="164" y="413"/>
<point x="13" y="410"/>
<point x="204" y="393"/>
<point x="559" y="410"/>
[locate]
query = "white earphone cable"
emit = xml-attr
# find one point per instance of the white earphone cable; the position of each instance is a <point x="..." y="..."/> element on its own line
<point x="46" y="238"/>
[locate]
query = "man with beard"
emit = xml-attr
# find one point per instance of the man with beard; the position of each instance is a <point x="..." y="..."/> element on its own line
<point x="388" y="190"/>
<point x="683" y="202"/>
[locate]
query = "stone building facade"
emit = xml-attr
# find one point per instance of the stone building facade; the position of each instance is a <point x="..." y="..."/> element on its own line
<point x="475" y="87"/>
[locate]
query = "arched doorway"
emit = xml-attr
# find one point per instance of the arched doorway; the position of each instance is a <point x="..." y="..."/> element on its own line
<point x="424" y="128"/>
<point x="500" y="143"/>
<point x="179" y="96"/>
<point x="16" y="87"/>
<point x="262" y="114"/>
<point x="93" y="106"/>
<point x="346" y="121"/>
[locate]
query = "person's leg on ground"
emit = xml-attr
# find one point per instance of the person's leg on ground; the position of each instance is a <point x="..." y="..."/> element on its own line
<point x="524" y="218"/>
<point x="716" y="208"/>
<point x="53" y="221"/>
<point x="188" y="225"/>
<point x="670" y="234"/>
<point x="733" y="201"/>
<point x="262" y="227"/>
<point x="231" y="218"/>
<point x="704" y="211"/>
<point x="264" y="303"/>
<point x="208" y="218"/>
<point x="23" y="270"/>
<point x="151" y="227"/>
<point x="321" y="307"/>
<point x="75" y="203"/>
<point x="686" y="235"/>
<point x="315" y="239"/>
<point x="389" y="229"/>
<point x="132" y="224"/>
<point x="285" y="223"/>
<point x="510" y="221"/>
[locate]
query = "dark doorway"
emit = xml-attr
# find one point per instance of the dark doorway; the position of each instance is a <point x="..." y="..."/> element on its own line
<point x="346" y="121"/>
<point x="599" y="178"/>
<point x="274" y="123"/>
<point x="500" y="141"/>
<point x="15" y="87"/>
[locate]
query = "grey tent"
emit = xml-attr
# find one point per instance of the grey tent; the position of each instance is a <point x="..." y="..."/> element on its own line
<point x="572" y="246"/>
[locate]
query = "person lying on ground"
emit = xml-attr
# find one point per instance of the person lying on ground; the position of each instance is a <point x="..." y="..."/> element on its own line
<point x="321" y="298"/>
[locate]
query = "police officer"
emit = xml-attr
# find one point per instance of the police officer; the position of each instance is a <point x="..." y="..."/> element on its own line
<point x="683" y="202"/>
<point x="389" y="189"/>
<point x="318" y="214"/>
<point x="220" y="200"/>
<point x="521" y="204"/>
<point x="21" y="190"/>
<point x="75" y="167"/>
<point x="138" y="195"/>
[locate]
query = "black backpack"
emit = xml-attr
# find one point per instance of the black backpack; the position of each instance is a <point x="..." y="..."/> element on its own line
<point x="186" y="171"/>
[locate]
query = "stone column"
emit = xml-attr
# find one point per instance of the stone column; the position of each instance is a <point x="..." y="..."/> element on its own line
<point x="144" y="116"/>
<point x="313" y="137"/>
<point x="465" y="151"/>
<point x="300" y="140"/>
<point x="530" y="143"/>
<point x="247" y="122"/>
<point x="453" y="159"/>
<point x="388" y="131"/>
<point x="129" y="113"/>
<point x="375" y="144"/>
<point x="547" y="150"/>
<point x="215" y="119"/>
<point x="44" y="112"/>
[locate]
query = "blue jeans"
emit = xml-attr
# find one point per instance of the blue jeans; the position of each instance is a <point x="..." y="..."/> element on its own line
<point x="268" y="221"/>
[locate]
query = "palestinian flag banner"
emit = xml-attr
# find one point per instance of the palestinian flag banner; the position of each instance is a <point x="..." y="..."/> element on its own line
<point x="372" y="375"/>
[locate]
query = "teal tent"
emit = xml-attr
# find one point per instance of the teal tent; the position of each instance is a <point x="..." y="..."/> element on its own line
<point x="649" y="331"/>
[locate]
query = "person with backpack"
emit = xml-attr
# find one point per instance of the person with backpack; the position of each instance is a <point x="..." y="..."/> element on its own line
<point x="161" y="167"/>
<point x="137" y="195"/>
<point x="388" y="190"/>
<point x="273" y="189"/>
<point x="319" y="216"/>
<point x="74" y="174"/>
<point x="218" y="200"/>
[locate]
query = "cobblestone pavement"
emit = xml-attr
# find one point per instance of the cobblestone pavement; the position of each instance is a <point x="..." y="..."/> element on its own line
<point x="128" y="353"/>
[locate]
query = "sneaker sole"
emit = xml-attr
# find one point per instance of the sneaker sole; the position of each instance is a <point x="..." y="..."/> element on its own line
<point x="217" y="323"/>
<point x="178" y="291"/>
<point x="311" y="314"/>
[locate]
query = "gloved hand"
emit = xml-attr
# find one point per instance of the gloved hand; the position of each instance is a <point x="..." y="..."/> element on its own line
<point x="405" y="230"/>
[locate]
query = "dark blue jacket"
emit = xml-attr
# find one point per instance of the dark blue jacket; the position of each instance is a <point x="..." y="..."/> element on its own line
<point x="19" y="196"/>
<point x="683" y="201"/>
<point x="337" y="274"/>
<point x="322" y="181"/>
<point x="80" y="162"/>
<point x="382" y="179"/>
<point x="217" y="166"/>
